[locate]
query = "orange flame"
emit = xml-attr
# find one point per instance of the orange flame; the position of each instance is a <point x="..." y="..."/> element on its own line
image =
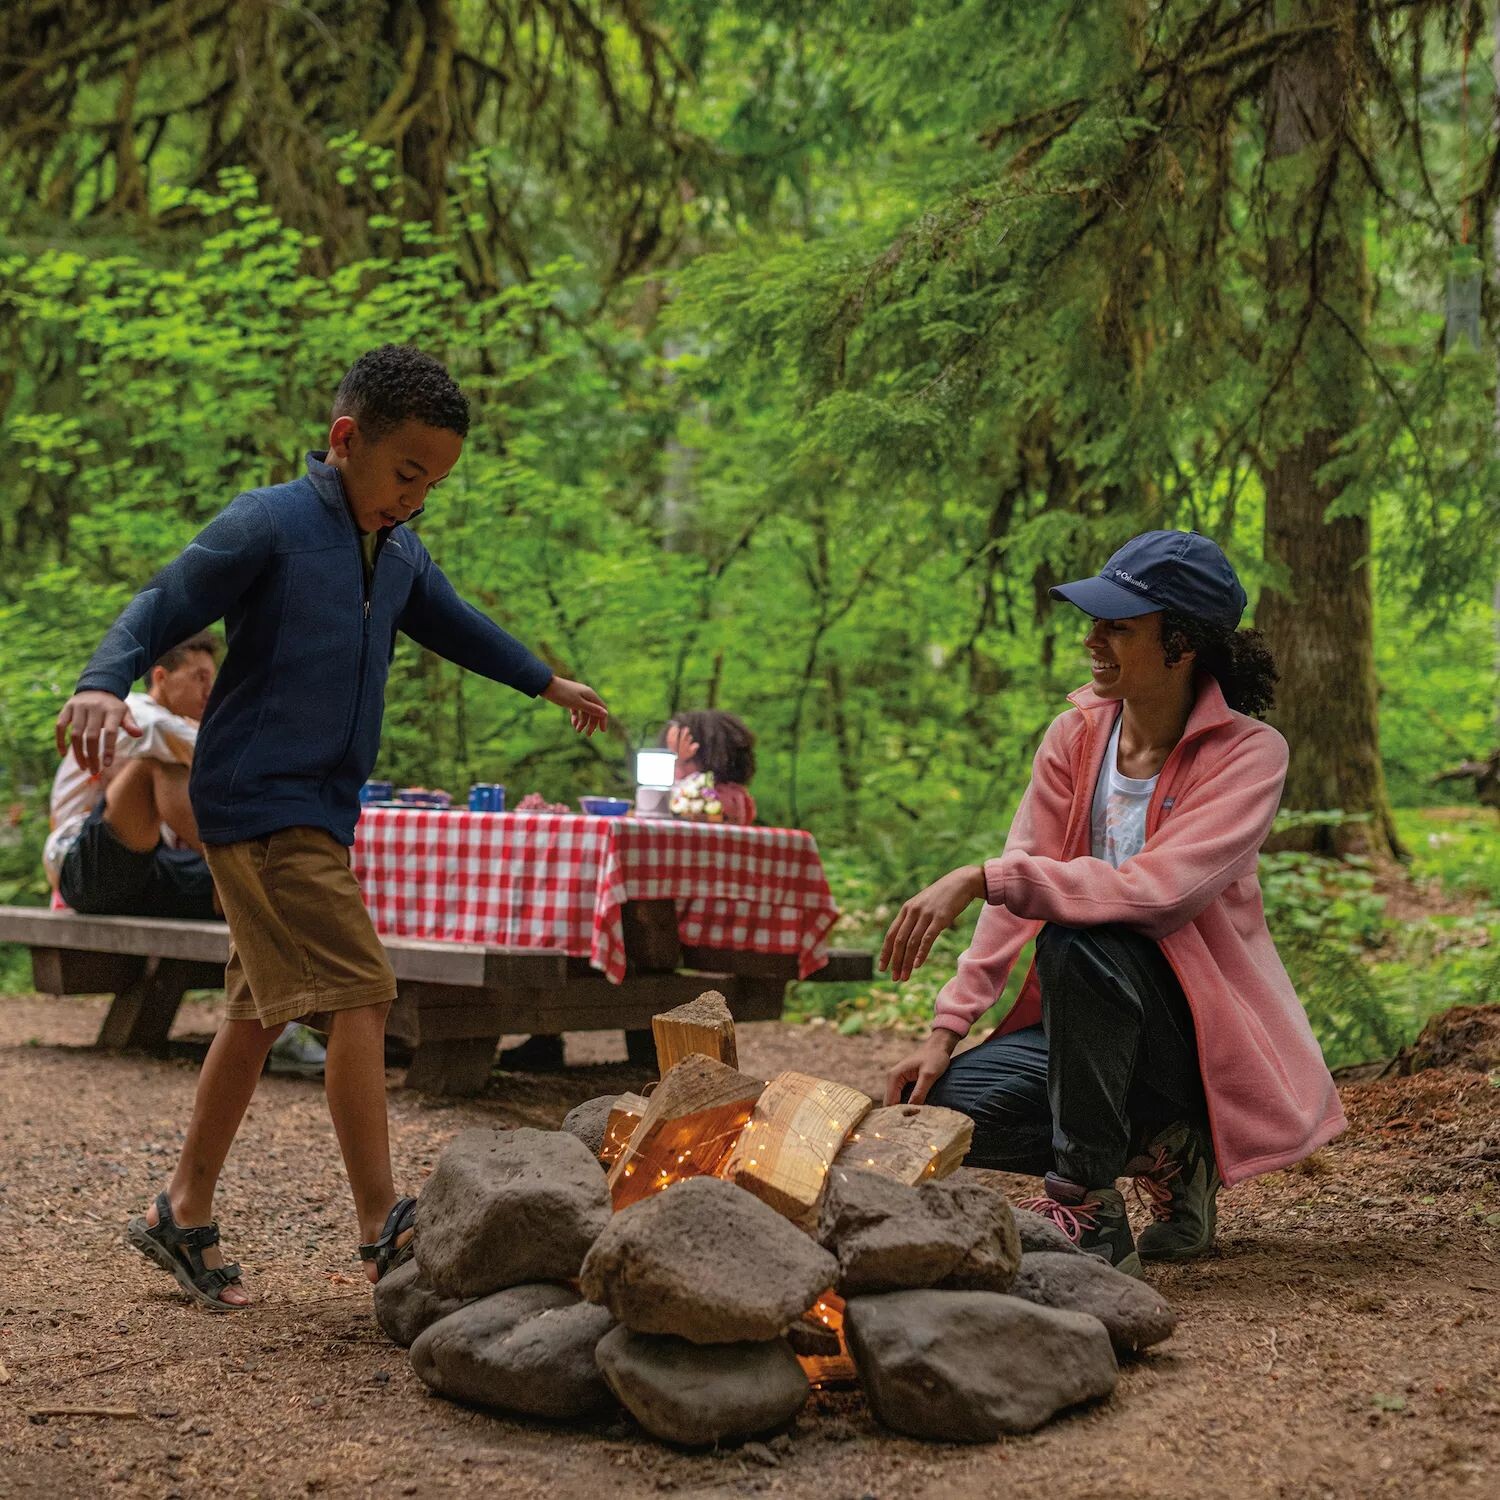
<point x="828" y="1369"/>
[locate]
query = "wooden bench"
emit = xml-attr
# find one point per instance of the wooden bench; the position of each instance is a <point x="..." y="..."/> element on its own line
<point x="454" y="1000"/>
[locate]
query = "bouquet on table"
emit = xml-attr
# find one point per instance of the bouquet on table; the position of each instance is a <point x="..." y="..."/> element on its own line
<point x="694" y="798"/>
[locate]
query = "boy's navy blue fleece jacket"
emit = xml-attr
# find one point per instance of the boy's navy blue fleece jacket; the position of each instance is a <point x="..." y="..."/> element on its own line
<point x="293" y="723"/>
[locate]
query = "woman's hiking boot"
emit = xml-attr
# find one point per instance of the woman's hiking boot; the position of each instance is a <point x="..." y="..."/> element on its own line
<point x="1093" y="1218"/>
<point x="1177" y="1178"/>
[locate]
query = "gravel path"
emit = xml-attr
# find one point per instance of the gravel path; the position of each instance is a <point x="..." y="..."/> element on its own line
<point x="1345" y="1341"/>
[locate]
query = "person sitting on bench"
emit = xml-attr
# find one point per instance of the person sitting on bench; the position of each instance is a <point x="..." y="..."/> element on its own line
<point x="125" y="843"/>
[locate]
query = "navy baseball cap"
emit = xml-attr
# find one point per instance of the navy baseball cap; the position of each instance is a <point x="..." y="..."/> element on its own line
<point x="1178" y="570"/>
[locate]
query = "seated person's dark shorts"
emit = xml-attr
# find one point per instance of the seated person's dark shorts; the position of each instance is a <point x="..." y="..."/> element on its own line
<point x="101" y="877"/>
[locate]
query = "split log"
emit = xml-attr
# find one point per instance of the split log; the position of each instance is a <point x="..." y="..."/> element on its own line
<point x="791" y="1140"/>
<point x="812" y="1338"/>
<point x="690" y="1123"/>
<point x="624" y="1115"/>
<point x="702" y="1026"/>
<point x="910" y="1142"/>
<point x="817" y="1339"/>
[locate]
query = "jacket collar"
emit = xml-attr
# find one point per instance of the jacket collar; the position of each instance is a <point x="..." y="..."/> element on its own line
<point x="325" y="479"/>
<point x="328" y="483"/>
<point x="1209" y="710"/>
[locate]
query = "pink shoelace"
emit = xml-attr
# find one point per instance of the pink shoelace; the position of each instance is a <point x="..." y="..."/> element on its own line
<point x="1153" y="1186"/>
<point x="1071" y="1218"/>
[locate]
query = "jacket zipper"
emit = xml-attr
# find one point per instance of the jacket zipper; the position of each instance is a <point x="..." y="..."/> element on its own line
<point x="366" y="589"/>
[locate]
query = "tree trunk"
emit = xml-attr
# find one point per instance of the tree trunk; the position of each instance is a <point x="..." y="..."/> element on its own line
<point x="1320" y="625"/>
<point x="1494" y="241"/>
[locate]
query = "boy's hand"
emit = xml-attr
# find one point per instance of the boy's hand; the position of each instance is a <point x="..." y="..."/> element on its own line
<point x="96" y="718"/>
<point x="928" y="913"/>
<point x="585" y="707"/>
<point x="922" y="1068"/>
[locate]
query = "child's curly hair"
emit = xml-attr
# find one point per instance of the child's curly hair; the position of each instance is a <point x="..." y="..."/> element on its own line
<point x="725" y="743"/>
<point x="395" y="383"/>
<point x="1239" y="659"/>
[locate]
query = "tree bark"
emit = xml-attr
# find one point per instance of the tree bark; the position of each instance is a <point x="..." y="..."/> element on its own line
<point x="1320" y="624"/>
<point x="1495" y="275"/>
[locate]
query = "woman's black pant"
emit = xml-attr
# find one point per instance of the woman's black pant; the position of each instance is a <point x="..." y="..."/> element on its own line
<point x="1114" y="1059"/>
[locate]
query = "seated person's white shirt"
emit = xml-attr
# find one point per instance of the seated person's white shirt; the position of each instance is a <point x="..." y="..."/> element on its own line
<point x="164" y="736"/>
<point x="1117" y="824"/>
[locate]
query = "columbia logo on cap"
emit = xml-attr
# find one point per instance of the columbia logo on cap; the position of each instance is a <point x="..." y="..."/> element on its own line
<point x="1131" y="579"/>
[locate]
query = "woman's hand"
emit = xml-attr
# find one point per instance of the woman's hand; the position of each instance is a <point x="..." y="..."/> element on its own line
<point x="585" y="707"/>
<point x="922" y="1069"/>
<point x="928" y="913"/>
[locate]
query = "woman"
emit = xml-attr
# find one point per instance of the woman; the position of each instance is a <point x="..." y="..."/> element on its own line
<point x="1157" y="1033"/>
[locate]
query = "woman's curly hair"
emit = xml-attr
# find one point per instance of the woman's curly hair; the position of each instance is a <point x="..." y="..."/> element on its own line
<point x="1239" y="659"/>
<point x="725" y="743"/>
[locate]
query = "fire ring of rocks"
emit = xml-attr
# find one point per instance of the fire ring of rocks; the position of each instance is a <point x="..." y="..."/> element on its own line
<point x="707" y="1255"/>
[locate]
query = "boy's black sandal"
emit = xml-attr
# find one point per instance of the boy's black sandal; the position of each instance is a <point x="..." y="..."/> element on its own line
<point x="180" y="1252"/>
<point x="386" y="1254"/>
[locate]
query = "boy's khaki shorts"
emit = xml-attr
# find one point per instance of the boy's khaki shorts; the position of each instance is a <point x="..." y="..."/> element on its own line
<point x="301" y="941"/>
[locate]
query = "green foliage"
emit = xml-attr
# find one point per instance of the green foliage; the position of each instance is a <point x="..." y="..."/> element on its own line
<point x="1458" y="848"/>
<point x="1437" y="702"/>
<point x="808" y="343"/>
<point x="1314" y="900"/>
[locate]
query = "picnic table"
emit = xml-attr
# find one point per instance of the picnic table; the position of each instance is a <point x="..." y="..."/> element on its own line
<point x="508" y="923"/>
<point x="575" y="885"/>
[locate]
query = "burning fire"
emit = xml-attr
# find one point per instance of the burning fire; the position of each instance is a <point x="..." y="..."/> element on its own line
<point x="832" y="1368"/>
<point x="690" y="1151"/>
<point x="679" y="1153"/>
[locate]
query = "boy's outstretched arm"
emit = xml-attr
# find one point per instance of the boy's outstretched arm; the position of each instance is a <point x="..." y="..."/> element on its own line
<point x="585" y="707"/>
<point x="188" y="595"/>
<point x="437" y="618"/>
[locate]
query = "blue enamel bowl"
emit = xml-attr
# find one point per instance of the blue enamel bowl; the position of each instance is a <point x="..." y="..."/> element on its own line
<point x="604" y="807"/>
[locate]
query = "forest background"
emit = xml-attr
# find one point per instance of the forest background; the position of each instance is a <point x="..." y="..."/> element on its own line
<point x="809" y="342"/>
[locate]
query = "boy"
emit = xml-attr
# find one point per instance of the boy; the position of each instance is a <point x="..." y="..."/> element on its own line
<point x="313" y="579"/>
<point x="126" y="844"/>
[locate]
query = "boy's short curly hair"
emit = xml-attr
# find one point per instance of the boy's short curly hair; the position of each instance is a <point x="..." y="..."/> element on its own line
<point x="398" y="383"/>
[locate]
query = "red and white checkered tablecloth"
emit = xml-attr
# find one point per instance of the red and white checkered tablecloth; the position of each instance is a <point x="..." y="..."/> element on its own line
<point x="556" y="881"/>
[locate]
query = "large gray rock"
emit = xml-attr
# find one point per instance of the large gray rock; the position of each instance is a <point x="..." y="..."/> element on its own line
<point x="889" y="1236"/>
<point x="529" y="1349"/>
<point x="405" y="1304"/>
<point x="1039" y="1233"/>
<point x="589" y="1121"/>
<point x="697" y="1394"/>
<point x="992" y="1247"/>
<point x="969" y="1366"/>
<point x="706" y="1261"/>
<point x="506" y="1207"/>
<point x="1135" y="1314"/>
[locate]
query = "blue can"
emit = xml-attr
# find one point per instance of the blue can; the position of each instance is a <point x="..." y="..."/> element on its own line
<point x="487" y="796"/>
<point x="377" y="791"/>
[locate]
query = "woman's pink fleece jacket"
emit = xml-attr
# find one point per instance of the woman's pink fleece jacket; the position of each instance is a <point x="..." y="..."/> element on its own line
<point x="1193" y="888"/>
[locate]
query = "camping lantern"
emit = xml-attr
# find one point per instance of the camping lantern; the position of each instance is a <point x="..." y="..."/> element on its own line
<point x="655" y="771"/>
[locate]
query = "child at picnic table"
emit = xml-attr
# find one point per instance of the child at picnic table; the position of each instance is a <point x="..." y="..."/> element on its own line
<point x="314" y="579"/>
<point x="1157" y="1034"/>
<point x="715" y="754"/>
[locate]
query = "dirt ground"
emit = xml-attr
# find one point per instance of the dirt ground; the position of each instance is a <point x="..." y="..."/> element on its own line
<point x="1344" y="1340"/>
